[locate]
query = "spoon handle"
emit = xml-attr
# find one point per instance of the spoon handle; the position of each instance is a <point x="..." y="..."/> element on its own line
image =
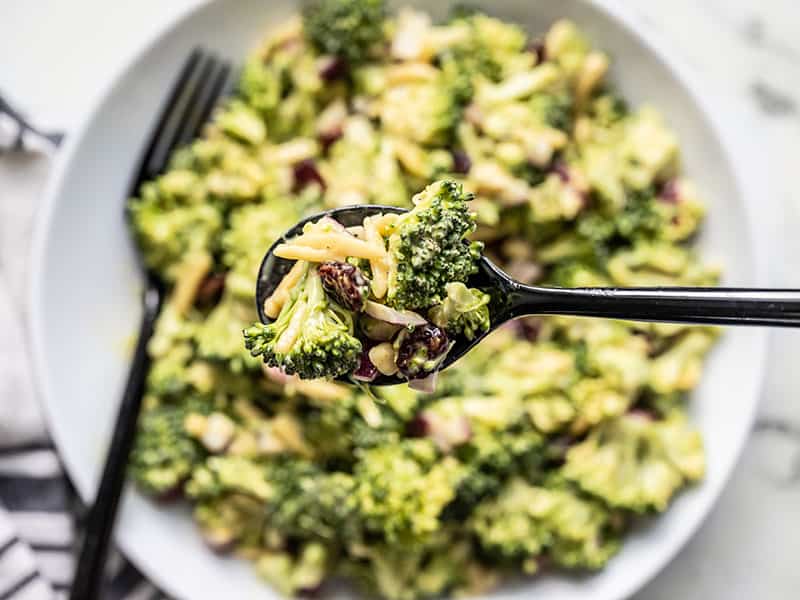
<point x="711" y="306"/>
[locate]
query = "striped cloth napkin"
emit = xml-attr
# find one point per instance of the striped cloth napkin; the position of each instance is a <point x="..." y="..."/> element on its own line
<point x="39" y="512"/>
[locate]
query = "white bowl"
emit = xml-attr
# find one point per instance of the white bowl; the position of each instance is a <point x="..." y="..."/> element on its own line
<point x="85" y="301"/>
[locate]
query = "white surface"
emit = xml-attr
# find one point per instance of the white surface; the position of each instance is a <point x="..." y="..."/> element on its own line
<point x="728" y="560"/>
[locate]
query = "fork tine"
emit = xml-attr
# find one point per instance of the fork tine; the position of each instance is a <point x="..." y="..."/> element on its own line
<point x="173" y="115"/>
<point x="203" y="94"/>
<point x="203" y="102"/>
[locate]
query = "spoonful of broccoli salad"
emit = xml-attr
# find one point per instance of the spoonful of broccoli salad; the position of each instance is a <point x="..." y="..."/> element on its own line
<point x="383" y="295"/>
<point x="373" y="293"/>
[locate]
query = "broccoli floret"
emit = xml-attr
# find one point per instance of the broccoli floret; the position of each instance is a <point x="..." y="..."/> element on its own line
<point x="363" y="168"/>
<point x="402" y="489"/>
<point x="222" y="475"/>
<point x="349" y="29"/>
<point x="527" y="521"/>
<point x="240" y="121"/>
<point x="228" y="520"/>
<point x="491" y="49"/>
<point x="251" y="229"/>
<point x="293" y="575"/>
<point x="309" y="503"/>
<point x="312" y="336"/>
<point x="164" y="454"/>
<point x="219" y="337"/>
<point x="490" y="459"/>
<point x="428" y="570"/>
<point x="425" y="113"/>
<point x="169" y="229"/>
<point x="262" y="84"/>
<point x="427" y="247"/>
<point x="636" y="463"/>
<point x="679" y="368"/>
<point x="553" y="110"/>
<point x="659" y="264"/>
<point x="465" y="311"/>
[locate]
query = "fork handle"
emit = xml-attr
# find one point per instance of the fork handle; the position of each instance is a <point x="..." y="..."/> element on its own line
<point x="89" y="574"/>
<point x="709" y="306"/>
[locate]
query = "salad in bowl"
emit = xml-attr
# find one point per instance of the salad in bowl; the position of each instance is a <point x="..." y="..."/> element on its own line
<point x="541" y="448"/>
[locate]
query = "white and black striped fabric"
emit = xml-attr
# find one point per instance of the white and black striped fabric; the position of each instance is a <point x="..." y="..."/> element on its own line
<point x="39" y="512"/>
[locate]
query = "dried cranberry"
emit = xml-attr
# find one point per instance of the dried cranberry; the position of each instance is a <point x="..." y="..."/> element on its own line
<point x="366" y="371"/>
<point x="345" y="284"/>
<point x="527" y="327"/>
<point x="210" y="290"/>
<point x="421" y="351"/>
<point x="333" y="68"/>
<point x="305" y="172"/>
<point x="327" y="138"/>
<point x="461" y="161"/>
<point x="538" y="48"/>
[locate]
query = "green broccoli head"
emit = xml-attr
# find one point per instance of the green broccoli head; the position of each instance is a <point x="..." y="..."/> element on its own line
<point x="219" y="337"/>
<point x="293" y="574"/>
<point x="243" y="123"/>
<point x="349" y="29"/>
<point x="465" y="311"/>
<point x="222" y="475"/>
<point x="636" y="463"/>
<point x="490" y="459"/>
<point x="424" y="570"/>
<point x="553" y="110"/>
<point x="230" y="520"/>
<point x="251" y="229"/>
<point x="527" y="521"/>
<point x="170" y="226"/>
<point x="310" y="504"/>
<point x="402" y="489"/>
<point x="312" y="336"/>
<point x="423" y="112"/>
<point x="427" y="248"/>
<point x="164" y="454"/>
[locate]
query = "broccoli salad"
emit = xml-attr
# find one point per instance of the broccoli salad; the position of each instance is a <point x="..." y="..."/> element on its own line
<point x="538" y="450"/>
<point x="350" y="304"/>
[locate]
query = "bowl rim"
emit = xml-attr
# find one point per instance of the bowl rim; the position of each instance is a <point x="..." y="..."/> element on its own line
<point x="731" y="151"/>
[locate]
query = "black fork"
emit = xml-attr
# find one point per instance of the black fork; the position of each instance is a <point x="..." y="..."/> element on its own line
<point x="203" y="80"/>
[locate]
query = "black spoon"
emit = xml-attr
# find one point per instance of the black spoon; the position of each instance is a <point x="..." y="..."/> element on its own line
<point x="511" y="299"/>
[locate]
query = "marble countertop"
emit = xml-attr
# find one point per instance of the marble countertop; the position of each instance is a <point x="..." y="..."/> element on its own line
<point x="59" y="55"/>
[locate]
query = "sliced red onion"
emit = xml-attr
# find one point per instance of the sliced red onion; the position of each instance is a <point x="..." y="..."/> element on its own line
<point x="210" y="290"/>
<point x="527" y="327"/>
<point x="642" y="413"/>
<point x="525" y="271"/>
<point x="562" y="170"/>
<point x="669" y="192"/>
<point x="366" y="371"/>
<point x="426" y="385"/>
<point x="446" y="433"/>
<point x="406" y="318"/>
